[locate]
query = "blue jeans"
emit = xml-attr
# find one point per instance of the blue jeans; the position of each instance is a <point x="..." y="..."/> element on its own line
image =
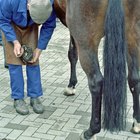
<point x="34" y="87"/>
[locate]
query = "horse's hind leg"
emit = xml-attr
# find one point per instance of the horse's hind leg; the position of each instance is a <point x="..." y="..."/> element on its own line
<point x="134" y="85"/>
<point x="73" y="57"/>
<point x="89" y="61"/>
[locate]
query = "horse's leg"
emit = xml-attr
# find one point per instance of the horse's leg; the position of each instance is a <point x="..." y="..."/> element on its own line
<point x="60" y="7"/>
<point x="87" y="31"/>
<point x="89" y="61"/>
<point x="134" y="85"/>
<point x="73" y="57"/>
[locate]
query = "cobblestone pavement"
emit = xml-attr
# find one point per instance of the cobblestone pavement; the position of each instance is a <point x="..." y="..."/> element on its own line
<point x="64" y="118"/>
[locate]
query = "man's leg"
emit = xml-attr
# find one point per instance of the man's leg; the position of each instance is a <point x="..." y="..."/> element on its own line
<point x="34" y="88"/>
<point x="17" y="88"/>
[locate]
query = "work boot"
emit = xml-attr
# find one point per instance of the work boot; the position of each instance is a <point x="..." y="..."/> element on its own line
<point x="37" y="105"/>
<point x="20" y="106"/>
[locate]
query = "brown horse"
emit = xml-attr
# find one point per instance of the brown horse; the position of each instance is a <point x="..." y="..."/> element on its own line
<point x="60" y="8"/>
<point x="117" y="20"/>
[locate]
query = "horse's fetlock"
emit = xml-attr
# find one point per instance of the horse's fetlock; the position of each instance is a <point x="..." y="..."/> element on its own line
<point x="73" y="82"/>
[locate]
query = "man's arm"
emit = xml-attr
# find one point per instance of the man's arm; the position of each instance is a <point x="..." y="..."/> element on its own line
<point x="6" y="27"/>
<point x="5" y="21"/>
<point x="47" y="31"/>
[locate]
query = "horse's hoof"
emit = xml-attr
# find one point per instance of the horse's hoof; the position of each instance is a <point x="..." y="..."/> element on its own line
<point x="69" y="91"/>
<point x="87" y="136"/>
<point x="136" y="127"/>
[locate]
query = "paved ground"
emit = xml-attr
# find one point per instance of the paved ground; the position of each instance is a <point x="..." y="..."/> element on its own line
<point x="64" y="118"/>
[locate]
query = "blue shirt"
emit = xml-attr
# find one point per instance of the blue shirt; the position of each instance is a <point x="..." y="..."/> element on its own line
<point x="16" y="11"/>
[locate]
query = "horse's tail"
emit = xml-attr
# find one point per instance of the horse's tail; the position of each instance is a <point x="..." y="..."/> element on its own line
<point x="114" y="68"/>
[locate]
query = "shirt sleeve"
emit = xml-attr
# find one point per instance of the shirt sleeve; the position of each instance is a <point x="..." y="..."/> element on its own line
<point x="46" y="31"/>
<point x="5" y="21"/>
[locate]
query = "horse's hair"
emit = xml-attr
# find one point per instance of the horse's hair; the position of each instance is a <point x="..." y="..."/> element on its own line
<point x="114" y="89"/>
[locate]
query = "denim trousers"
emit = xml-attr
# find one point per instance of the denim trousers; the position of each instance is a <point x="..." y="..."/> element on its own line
<point x="34" y="87"/>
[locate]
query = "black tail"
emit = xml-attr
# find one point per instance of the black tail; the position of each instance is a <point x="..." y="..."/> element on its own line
<point x="114" y="68"/>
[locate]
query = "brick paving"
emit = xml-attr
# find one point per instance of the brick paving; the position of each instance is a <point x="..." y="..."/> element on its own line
<point x="64" y="118"/>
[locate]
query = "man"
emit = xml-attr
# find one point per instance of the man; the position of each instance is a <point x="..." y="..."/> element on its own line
<point x="19" y="20"/>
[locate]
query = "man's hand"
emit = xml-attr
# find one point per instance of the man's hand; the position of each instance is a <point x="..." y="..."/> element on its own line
<point x="37" y="53"/>
<point x="18" y="51"/>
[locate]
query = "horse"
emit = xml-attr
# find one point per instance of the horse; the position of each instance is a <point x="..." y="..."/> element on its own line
<point x="60" y="9"/>
<point x="118" y="20"/>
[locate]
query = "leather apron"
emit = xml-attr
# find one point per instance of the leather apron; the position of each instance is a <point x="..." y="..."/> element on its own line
<point x="26" y="36"/>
